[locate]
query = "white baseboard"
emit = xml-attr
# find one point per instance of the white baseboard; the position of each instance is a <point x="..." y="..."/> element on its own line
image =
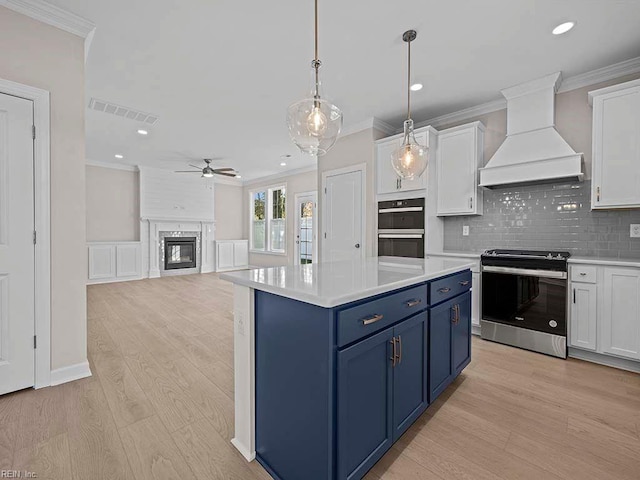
<point x="113" y="280"/>
<point x="249" y="456"/>
<point x="475" y="330"/>
<point x="70" y="373"/>
<point x="607" y="360"/>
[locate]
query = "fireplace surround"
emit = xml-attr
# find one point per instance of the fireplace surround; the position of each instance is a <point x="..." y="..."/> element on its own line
<point x="180" y="253"/>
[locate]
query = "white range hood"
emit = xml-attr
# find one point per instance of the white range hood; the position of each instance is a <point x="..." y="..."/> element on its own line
<point x="533" y="152"/>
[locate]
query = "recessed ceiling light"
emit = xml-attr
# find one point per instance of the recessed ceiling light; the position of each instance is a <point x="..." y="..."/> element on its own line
<point x="143" y="132"/>
<point x="117" y="155"/>
<point x="283" y="164"/>
<point x="416" y="86"/>
<point x="238" y="176"/>
<point x="563" y="28"/>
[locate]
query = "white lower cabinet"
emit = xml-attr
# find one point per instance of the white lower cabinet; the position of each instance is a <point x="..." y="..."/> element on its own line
<point x="620" y="322"/>
<point x="114" y="261"/>
<point x="232" y="255"/>
<point x="604" y="310"/>
<point x="583" y="313"/>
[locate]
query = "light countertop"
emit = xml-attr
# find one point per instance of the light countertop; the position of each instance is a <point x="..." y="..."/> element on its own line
<point x="331" y="284"/>
<point x="455" y="254"/>
<point x="614" y="262"/>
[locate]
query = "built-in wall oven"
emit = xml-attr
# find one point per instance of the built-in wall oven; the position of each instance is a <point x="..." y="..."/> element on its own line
<point x="524" y="299"/>
<point x="401" y="228"/>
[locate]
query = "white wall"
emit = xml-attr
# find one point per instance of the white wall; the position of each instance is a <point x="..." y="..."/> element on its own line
<point x="299" y="183"/>
<point x="45" y="57"/>
<point x="168" y="195"/>
<point x="229" y="211"/>
<point x="113" y="205"/>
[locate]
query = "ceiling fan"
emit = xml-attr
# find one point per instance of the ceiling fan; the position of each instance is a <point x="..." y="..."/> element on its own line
<point x="209" y="172"/>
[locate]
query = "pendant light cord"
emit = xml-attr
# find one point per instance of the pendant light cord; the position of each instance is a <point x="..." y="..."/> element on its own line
<point x="408" y="80"/>
<point x="316" y="61"/>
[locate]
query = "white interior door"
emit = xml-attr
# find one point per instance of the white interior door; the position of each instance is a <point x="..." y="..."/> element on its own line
<point x="343" y="217"/>
<point x="306" y="226"/>
<point x="17" y="262"/>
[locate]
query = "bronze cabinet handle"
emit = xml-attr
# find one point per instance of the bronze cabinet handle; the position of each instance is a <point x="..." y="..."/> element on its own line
<point x="413" y="303"/>
<point x="456" y="314"/>
<point x="400" y="349"/>
<point x="444" y="290"/>
<point x="374" y="319"/>
<point x="465" y="283"/>
<point x="393" y="351"/>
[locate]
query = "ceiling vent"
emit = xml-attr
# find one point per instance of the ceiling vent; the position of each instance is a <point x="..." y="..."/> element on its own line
<point x="124" y="112"/>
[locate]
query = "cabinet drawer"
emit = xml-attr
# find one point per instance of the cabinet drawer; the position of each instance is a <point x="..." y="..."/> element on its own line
<point x="583" y="274"/>
<point x="362" y="320"/>
<point x="449" y="287"/>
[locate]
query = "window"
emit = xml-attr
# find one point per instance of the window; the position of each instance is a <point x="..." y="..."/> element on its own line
<point x="268" y="220"/>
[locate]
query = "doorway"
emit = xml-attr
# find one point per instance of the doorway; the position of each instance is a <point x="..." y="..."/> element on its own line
<point x="306" y="226"/>
<point x="17" y="253"/>
<point x="343" y="214"/>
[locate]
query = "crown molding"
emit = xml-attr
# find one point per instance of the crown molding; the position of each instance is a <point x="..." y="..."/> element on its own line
<point x="280" y="176"/>
<point x="56" y="17"/>
<point x="464" y="114"/>
<point x="604" y="74"/>
<point x="112" y="165"/>
<point x="367" y="124"/>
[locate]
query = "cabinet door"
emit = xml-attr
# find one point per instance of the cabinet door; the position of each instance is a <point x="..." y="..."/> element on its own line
<point x="583" y="316"/>
<point x="421" y="181"/>
<point x="440" y="358"/>
<point x="224" y="255"/>
<point x="240" y="254"/>
<point x="410" y="373"/>
<point x="456" y="172"/>
<point x="616" y="149"/>
<point x="620" y="326"/>
<point x="364" y="414"/>
<point x="387" y="179"/>
<point x="461" y="333"/>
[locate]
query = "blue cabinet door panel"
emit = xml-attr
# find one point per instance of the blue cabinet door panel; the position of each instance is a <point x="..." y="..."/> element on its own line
<point x="462" y="334"/>
<point x="449" y="287"/>
<point x="410" y="397"/>
<point x="364" y="405"/>
<point x="440" y="358"/>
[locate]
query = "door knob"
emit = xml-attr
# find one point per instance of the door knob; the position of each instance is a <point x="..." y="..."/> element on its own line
<point x="357" y="245"/>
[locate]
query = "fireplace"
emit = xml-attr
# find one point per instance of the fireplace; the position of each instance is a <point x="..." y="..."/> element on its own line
<point x="179" y="252"/>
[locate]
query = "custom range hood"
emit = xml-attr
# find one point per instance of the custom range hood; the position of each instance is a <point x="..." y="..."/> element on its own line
<point x="533" y="152"/>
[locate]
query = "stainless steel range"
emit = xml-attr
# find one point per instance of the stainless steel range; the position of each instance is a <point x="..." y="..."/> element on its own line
<point x="524" y="299"/>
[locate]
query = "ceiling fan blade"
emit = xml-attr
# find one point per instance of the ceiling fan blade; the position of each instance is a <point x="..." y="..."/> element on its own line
<point x="186" y="171"/>
<point x="223" y="169"/>
<point x="199" y="168"/>
<point x="225" y="174"/>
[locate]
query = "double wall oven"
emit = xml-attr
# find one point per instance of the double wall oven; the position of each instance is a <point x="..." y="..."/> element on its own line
<point x="401" y="228"/>
<point x="524" y="299"/>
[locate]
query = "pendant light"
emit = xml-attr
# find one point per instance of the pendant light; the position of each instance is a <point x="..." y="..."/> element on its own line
<point x="411" y="159"/>
<point x="314" y="122"/>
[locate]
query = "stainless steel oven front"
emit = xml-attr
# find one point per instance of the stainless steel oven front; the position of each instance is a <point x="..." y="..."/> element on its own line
<point x="401" y="225"/>
<point x="525" y="307"/>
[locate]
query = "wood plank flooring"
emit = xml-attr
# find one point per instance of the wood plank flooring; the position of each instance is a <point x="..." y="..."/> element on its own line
<point x="160" y="405"/>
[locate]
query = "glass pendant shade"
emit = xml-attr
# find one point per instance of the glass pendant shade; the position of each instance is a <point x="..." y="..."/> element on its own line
<point x="314" y="122"/>
<point x="411" y="159"/>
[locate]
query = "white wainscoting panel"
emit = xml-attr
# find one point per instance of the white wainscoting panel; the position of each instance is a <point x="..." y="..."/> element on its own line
<point x="232" y="255"/>
<point x="114" y="261"/>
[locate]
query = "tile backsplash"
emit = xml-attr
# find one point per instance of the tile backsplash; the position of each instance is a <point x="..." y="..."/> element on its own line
<point x="554" y="217"/>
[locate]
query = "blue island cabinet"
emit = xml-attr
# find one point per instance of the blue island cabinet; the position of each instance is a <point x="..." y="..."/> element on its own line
<point x="336" y="387"/>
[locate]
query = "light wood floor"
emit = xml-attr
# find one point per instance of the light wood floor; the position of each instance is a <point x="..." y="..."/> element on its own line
<point x="160" y="405"/>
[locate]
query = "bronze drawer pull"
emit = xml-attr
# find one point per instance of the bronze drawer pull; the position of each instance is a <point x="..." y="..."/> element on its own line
<point x="400" y="348"/>
<point x="465" y="283"/>
<point x="374" y="319"/>
<point x="444" y="290"/>
<point x="413" y="303"/>
<point x="393" y="351"/>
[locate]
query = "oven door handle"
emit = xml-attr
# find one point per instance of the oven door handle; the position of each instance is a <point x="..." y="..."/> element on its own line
<point x="400" y="210"/>
<point x="525" y="271"/>
<point x="400" y="235"/>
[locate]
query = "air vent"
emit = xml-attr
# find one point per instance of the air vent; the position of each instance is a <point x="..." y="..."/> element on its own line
<point x="124" y="112"/>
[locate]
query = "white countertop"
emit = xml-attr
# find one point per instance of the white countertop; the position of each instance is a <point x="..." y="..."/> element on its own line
<point x="614" y="262"/>
<point x="331" y="284"/>
<point x="455" y="254"/>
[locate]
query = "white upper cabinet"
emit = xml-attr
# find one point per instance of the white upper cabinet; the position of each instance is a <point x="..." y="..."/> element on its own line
<point x="616" y="146"/>
<point x="460" y="152"/>
<point x="386" y="178"/>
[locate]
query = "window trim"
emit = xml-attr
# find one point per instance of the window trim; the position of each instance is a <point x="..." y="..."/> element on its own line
<point x="268" y="189"/>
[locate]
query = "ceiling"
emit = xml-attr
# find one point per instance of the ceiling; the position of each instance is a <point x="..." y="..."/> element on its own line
<point x="220" y="73"/>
